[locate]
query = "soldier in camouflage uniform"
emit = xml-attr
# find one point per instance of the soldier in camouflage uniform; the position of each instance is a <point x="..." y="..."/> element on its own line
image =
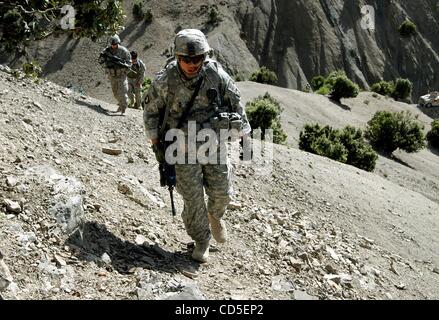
<point x="135" y="80"/>
<point x="173" y="88"/>
<point x="117" y="69"/>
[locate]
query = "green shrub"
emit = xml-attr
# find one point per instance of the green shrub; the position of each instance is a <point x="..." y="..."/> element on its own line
<point x="264" y="75"/>
<point x="337" y="85"/>
<point x="325" y="90"/>
<point x="148" y="16"/>
<point x="214" y="17"/>
<point x="346" y="145"/>
<point x="343" y="87"/>
<point x="32" y="69"/>
<point x="407" y="29"/>
<point x="389" y="131"/>
<point x="317" y="82"/>
<point x="146" y="84"/>
<point x="383" y="88"/>
<point x="264" y="113"/>
<point x="433" y="135"/>
<point x="360" y="154"/>
<point x="403" y="89"/>
<point x="138" y="10"/>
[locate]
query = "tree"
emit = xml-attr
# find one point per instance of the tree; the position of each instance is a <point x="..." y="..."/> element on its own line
<point x="22" y="22"/>
<point x="388" y="131"/>
<point x="383" y="88"/>
<point x="433" y="134"/>
<point x="264" y="113"/>
<point x="407" y="29"/>
<point x="264" y="75"/>
<point x="343" y="145"/>
<point x="403" y="89"/>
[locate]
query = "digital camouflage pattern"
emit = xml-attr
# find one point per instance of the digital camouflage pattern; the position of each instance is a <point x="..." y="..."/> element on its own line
<point x="135" y="81"/>
<point x="171" y="88"/>
<point x="118" y="76"/>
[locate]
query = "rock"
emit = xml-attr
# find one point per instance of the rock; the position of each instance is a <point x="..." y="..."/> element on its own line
<point x="130" y="159"/>
<point x="106" y="258"/>
<point x="295" y="263"/>
<point x="124" y="189"/>
<point x="140" y="240"/>
<point x="233" y="205"/>
<point x="11" y="181"/>
<point x="12" y="206"/>
<point x="112" y="152"/>
<point x="436" y="270"/>
<point x="331" y="268"/>
<point x="302" y="295"/>
<point x="5" y="275"/>
<point x="401" y="286"/>
<point x="279" y="283"/>
<point x="189" y="292"/>
<point x="59" y="260"/>
<point x="332" y="253"/>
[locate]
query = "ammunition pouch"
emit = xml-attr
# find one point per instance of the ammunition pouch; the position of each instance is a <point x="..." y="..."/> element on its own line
<point x="227" y="121"/>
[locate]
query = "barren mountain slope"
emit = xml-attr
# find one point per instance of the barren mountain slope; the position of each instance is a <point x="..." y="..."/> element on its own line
<point x="297" y="39"/>
<point x="418" y="172"/>
<point x="313" y="228"/>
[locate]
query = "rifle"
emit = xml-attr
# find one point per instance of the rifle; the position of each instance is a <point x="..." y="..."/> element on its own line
<point x="111" y="60"/>
<point x="167" y="172"/>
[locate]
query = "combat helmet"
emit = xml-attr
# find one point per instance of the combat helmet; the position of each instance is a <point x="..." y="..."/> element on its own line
<point x="191" y="42"/>
<point x="115" y="39"/>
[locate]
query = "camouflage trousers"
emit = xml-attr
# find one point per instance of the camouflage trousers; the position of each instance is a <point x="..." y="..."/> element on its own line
<point x="119" y="85"/>
<point x="192" y="181"/>
<point x="134" y="93"/>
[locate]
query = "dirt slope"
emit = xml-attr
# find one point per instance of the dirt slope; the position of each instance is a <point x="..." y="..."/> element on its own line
<point x="313" y="228"/>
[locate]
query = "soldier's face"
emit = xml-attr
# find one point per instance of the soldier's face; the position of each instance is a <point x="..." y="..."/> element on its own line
<point x="114" y="46"/>
<point x="190" y="66"/>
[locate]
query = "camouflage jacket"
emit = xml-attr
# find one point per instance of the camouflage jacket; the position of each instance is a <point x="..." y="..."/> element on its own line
<point x="140" y="69"/>
<point x="171" y="88"/>
<point x="121" y="52"/>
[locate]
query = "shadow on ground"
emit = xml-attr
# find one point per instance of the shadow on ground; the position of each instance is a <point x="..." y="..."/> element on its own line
<point x="98" y="108"/>
<point x="97" y="239"/>
<point x="340" y="104"/>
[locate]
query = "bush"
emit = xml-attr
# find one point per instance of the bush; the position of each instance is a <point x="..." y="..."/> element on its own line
<point x="383" y="88"/>
<point x="433" y="135"/>
<point x="407" y="29"/>
<point x="389" y="131"/>
<point x="264" y="113"/>
<point x="32" y="69"/>
<point x="264" y="75"/>
<point x="148" y="16"/>
<point x="403" y="89"/>
<point x="317" y="82"/>
<point x="138" y="10"/>
<point x="146" y="84"/>
<point x="337" y="85"/>
<point x="214" y="17"/>
<point x="343" y="87"/>
<point x="346" y="145"/>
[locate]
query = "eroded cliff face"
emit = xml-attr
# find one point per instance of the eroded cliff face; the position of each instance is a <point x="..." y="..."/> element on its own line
<point x="301" y="39"/>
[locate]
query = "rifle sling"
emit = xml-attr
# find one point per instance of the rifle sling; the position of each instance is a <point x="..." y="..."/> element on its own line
<point x="185" y="112"/>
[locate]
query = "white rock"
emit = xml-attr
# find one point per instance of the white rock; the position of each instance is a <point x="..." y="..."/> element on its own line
<point x="11" y="181"/>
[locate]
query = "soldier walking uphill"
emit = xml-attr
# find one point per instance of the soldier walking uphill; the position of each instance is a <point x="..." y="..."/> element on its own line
<point x="117" y="62"/>
<point x="135" y="80"/>
<point x="195" y="88"/>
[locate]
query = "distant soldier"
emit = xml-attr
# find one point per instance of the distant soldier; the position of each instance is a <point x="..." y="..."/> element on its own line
<point x="135" y="80"/>
<point x="117" y="62"/>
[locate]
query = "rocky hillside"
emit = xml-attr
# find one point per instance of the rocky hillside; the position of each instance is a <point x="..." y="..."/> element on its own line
<point x="82" y="215"/>
<point x="297" y="39"/>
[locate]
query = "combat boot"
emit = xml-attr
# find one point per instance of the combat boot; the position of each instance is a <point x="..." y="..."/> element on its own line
<point x="218" y="229"/>
<point x="201" y="251"/>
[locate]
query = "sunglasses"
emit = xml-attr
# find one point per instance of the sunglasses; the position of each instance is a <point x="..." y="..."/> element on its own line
<point x="193" y="60"/>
